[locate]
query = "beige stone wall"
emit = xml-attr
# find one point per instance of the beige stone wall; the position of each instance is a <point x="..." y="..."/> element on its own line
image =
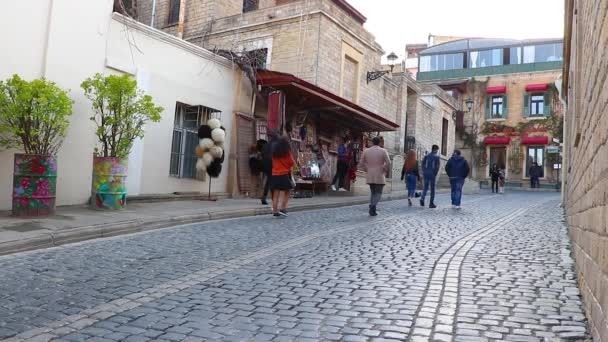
<point x="586" y="188"/>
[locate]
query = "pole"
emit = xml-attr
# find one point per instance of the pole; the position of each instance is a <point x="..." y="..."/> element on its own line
<point x="209" y="195"/>
<point x="153" y="13"/>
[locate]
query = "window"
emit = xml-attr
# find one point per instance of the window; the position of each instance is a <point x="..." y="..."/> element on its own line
<point x="497" y="106"/>
<point x="258" y="58"/>
<point x="444" y="137"/>
<point x="173" y="12"/>
<point x="537" y="104"/>
<point x="485" y="58"/>
<point x="536" y="154"/>
<point x="185" y="138"/>
<point x="515" y="55"/>
<point x="250" y="5"/>
<point x="124" y="7"/>
<point x="543" y="53"/>
<point x="442" y="62"/>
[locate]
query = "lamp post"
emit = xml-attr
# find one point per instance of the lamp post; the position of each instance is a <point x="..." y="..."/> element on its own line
<point x="374" y="75"/>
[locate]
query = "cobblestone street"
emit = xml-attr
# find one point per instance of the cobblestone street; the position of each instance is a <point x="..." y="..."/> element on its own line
<point x="499" y="269"/>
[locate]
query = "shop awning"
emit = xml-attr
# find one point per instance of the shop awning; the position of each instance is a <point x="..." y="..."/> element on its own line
<point x="537" y="87"/>
<point x="496" y="90"/>
<point x="497" y="140"/>
<point x="540" y="140"/>
<point x="309" y="96"/>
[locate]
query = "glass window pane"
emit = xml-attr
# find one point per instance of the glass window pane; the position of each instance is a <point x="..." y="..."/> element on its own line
<point x="425" y="63"/>
<point x="529" y="52"/>
<point x="515" y="55"/>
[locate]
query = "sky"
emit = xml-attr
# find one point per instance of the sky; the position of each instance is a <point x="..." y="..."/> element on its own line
<point x="397" y="22"/>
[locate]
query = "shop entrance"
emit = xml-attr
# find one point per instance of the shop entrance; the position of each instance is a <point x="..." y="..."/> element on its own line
<point x="498" y="156"/>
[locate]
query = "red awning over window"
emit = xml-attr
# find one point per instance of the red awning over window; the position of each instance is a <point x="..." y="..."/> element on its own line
<point x="535" y="140"/>
<point x="496" y="90"/>
<point x="497" y="140"/>
<point x="537" y="87"/>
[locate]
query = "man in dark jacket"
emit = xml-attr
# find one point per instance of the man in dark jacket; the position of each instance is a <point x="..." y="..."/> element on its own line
<point x="535" y="173"/>
<point x="267" y="162"/>
<point x="457" y="169"/>
<point x="430" y="169"/>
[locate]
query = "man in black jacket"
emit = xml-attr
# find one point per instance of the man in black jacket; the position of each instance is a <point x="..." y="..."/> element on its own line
<point x="267" y="162"/>
<point x="457" y="169"/>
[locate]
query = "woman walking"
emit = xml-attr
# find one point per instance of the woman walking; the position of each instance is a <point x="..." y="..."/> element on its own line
<point x="281" y="181"/>
<point x="411" y="175"/>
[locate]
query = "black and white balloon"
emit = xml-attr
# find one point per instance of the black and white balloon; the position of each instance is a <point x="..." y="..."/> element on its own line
<point x="211" y="141"/>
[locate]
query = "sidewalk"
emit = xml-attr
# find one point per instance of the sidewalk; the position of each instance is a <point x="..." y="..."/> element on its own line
<point x="78" y="223"/>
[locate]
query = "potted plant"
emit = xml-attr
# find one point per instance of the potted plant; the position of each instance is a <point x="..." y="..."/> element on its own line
<point x="33" y="118"/>
<point x="120" y="112"/>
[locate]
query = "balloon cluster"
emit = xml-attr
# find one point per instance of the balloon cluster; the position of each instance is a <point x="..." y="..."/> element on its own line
<point x="210" y="150"/>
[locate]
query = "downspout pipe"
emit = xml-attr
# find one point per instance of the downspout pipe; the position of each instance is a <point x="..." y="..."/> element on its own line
<point x="182" y="16"/>
<point x="153" y="14"/>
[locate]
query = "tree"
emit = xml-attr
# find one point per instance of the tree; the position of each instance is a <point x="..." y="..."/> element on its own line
<point x="33" y="115"/>
<point x="120" y="112"/>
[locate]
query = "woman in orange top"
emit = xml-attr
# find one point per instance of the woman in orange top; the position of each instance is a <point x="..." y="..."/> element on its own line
<point x="282" y="163"/>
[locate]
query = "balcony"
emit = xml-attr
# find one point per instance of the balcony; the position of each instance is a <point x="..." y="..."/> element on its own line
<point x="487" y="71"/>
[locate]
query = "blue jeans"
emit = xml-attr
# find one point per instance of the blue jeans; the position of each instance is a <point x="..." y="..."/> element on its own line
<point x="411" y="185"/>
<point x="429" y="181"/>
<point x="456" y="184"/>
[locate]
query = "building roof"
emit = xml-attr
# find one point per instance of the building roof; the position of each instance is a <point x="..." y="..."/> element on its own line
<point x="481" y="44"/>
<point x="310" y="95"/>
<point x="348" y="8"/>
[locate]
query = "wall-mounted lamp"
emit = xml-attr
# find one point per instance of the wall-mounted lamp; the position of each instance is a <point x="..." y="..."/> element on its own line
<point x="374" y="75"/>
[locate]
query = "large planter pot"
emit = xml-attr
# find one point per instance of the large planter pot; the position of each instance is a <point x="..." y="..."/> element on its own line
<point x="109" y="188"/>
<point x="34" y="185"/>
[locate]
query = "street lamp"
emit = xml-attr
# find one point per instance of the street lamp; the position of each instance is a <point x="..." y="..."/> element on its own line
<point x="374" y="75"/>
<point x="469" y="104"/>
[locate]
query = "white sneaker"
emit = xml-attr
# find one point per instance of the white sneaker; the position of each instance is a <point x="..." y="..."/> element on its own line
<point x="457" y="207"/>
<point x="342" y="189"/>
<point x="333" y="188"/>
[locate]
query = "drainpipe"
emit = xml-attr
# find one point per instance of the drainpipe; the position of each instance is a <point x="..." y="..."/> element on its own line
<point x="182" y="16"/>
<point x="45" y="52"/>
<point x="153" y="13"/>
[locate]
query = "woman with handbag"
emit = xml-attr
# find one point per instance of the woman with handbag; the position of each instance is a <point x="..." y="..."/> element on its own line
<point x="282" y="181"/>
<point x="411" y="175"/>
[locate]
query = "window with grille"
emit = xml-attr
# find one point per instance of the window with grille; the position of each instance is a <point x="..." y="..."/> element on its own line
<point x="173" y="12"/>
<point x="185" y="138"/>
<point x="250" y="5"/>
<point x="257" y="58"/>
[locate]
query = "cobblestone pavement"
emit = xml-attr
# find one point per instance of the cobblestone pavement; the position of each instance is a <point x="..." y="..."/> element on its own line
<point x="500" y="269"/>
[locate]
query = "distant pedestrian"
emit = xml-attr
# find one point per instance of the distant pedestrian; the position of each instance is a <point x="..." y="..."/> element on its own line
<point x="430" y="169"/>
<point x="502" y="179"/>
<point x="281" y="181"/>
<point x="494" y="175"/>
<point x="535" y="173"/>
<point x="376" y="162"/>
<point x="342" y="168"/>
<point x="267" y="163"/>
<point x="411" y="175"/>
<point x="457" y="169"/>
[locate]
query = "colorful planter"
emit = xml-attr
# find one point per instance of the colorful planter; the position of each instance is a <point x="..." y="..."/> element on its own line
<point x="34" y="185"/>
<point x="109" y="188"/>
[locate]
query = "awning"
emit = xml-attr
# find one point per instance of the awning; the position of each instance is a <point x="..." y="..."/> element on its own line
<point x="497" y="140"/>
<point x="307" y="95"/>
<point x="496" y="90"/>
<point x="539" y="140"/>
<point x="537" y="87"/>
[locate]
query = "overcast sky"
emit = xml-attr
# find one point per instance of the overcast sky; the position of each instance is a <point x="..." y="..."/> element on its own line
<point x="397" y="22"/>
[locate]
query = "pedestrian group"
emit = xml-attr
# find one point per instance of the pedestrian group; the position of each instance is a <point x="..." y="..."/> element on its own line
<point x="277" y="162"/>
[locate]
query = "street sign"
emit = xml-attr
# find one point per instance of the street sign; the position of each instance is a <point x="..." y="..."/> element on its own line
<point x="552" y="149"/>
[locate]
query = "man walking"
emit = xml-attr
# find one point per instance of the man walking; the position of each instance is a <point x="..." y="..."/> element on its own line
<point x="457" y="169"/>
<point x="430" y="169"/>
<point x="267" y="162"/>
<point x="535" y="173"/>
<point x="339" y="180"/>
<point x="376" y="162"/>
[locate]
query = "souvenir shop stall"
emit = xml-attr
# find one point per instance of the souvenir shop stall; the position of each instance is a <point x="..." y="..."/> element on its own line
<point x="316" y="122"/>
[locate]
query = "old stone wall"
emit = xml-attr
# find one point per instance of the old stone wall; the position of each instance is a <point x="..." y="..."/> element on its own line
<point x="586" y="188"/>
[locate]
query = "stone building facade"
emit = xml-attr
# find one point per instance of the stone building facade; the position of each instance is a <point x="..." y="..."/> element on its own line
<point x="515" y="112"/>
<point x="585" y="189"/>
<point x="322" y="42"/>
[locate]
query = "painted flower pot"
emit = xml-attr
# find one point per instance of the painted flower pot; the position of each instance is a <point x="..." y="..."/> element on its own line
<point x="34" y="185"/>
<point x="109" y="188"/>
